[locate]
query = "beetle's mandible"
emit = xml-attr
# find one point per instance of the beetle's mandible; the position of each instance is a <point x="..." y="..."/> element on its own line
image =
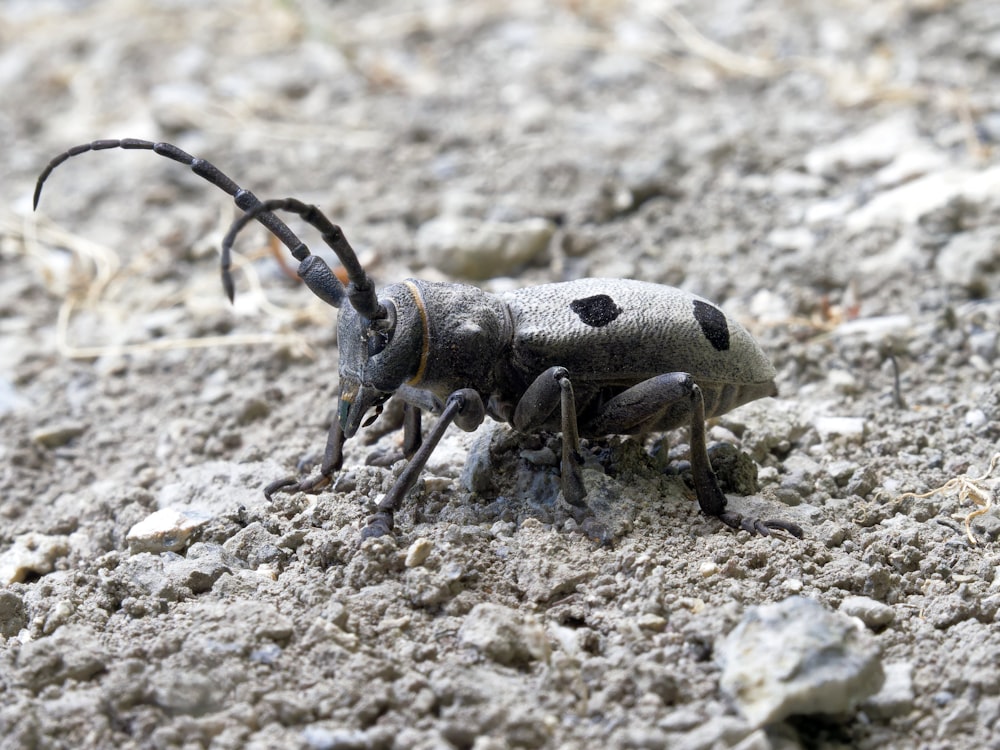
<point x="587" y="358"/>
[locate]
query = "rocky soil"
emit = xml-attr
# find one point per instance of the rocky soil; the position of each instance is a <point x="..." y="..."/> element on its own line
<point x="827" y="171"/>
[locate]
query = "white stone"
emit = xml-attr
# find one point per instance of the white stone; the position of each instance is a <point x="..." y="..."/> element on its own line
<point x="166" y="530"/>
<point x="906" y="204"/>
<point x="871" y="612"/>
<point x="707" y="569"/>
<point x="418" y="552"/>
<point x="474" y="249"/>
<point x="768" y="307"/>
<point x="875" y="329"/>
<point x="31" y="553"/>
<point x="844" y="426"/>
<point x="504" y="635"/>
<point x="896" y="696"/>
<point x="874" y="146"/>
<point x="975" y="418"/>
<point x="901" y="256"/>
<point x="969" y="258"/>
<point x="801" y="239"/>
<point x="797" y="657"/>
<point x="842" y="381"/>
<point x="910" y="165"/>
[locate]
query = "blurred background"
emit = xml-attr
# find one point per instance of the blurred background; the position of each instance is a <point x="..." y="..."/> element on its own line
<point x="827" y="170"/>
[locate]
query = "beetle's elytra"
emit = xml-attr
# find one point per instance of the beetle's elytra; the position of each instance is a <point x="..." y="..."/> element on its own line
<point x="588" y="358"/>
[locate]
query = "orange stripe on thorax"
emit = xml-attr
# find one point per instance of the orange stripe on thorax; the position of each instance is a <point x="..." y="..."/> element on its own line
<point x="426" y="341"/>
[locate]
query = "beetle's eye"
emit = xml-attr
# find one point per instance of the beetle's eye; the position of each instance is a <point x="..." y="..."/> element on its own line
<point x="378" y="341"/>
<point x="379" y="332"/>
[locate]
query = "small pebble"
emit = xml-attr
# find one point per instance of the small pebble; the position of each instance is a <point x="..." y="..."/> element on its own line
<point x="475" y="249"/>
<point x="852" y="427"/>
<point x="872" y="613"/>
<point x="57" y="435"/>
<point x="166" y="530"/>
<point x="30" y="554"/>
<point x="842" y="381"/>
<point x="651" y="622"/>
<point x="970" y="260"/>
<point x="503" y="635"/>
<point x="708" y="569"/>
<point x="975" y="418"/>
<point x="418" y="552"/>
<point x="896" y="696"/>
<point x="13" y="616"/>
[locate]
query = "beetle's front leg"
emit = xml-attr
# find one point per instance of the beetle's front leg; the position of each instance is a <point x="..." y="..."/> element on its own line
<point x="333" y="459"/>
<point x="463" y="407"/>
<point x="333" y="455"/>
<point x="550" y="391"/>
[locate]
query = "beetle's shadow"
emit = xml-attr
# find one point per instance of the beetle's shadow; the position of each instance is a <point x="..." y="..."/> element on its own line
<point x="517" y="477"/>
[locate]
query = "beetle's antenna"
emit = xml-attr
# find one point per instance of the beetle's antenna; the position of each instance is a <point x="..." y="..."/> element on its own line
<point x="360" y="290"/>
<point x="332" y="290"/>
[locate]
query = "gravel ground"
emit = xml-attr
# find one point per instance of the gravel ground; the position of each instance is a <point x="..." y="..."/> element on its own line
<point x="827" y="171"/>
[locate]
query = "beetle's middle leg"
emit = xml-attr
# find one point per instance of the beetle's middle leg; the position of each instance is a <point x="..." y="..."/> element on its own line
<point x="550" y="391"/>
<point x="643" y="406"/>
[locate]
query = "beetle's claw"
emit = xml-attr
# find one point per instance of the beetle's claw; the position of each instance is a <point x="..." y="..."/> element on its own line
<point x="378" y="525"/>
<point x="759" y="527"/>
<point x="280" y="485"/>
<point x="787" y="526"/>
<point x="383" y="457"/>
<point x="292" y="484"/>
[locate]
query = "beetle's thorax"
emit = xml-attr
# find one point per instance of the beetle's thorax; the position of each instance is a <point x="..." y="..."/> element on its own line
<point x="465" y="332"/>
<point x="439" y="337"/>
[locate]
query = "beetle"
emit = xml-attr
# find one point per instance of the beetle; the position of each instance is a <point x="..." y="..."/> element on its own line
<point x="588" y="358"/>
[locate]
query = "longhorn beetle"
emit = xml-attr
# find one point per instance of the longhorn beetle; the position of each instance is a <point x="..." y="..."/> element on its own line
<point x="588" y="358"/>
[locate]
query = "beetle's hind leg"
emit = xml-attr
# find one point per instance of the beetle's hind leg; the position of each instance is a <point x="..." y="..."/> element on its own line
<point x="644" y="405"/>
<point x="706" y="486"/>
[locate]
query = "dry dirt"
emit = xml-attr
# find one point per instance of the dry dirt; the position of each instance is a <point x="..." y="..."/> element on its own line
<point x="826" y="170"/>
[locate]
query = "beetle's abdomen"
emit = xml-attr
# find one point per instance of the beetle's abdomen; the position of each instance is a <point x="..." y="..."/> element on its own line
<point x="619" y="331"/>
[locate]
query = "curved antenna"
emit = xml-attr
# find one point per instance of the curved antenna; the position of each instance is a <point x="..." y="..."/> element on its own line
<point x="314" y="270"/>
<point x="333" y="292"/>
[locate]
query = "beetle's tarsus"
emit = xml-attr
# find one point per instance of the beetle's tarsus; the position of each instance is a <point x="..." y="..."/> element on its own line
<point x="228" y="285"/>
<point x="380" y="524"/>
<point x="758" y="527"/>
<point x="787" y="526"/>
<point x="280" y="485"/>
<point x="384" y="457"/>
<point x="711" y="498"/>
<point x="463" y="403"/>
<point x="310" y="485"/>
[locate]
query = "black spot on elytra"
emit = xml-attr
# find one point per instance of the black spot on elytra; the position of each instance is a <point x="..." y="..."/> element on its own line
<point x="713" y="324"/>
<point x="596" y="311"/>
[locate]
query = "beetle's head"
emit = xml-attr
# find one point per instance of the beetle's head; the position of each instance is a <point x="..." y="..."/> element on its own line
<point x="374" y="362"/>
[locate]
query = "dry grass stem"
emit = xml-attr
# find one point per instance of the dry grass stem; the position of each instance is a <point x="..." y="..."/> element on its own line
<point x="969" y="488"/>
